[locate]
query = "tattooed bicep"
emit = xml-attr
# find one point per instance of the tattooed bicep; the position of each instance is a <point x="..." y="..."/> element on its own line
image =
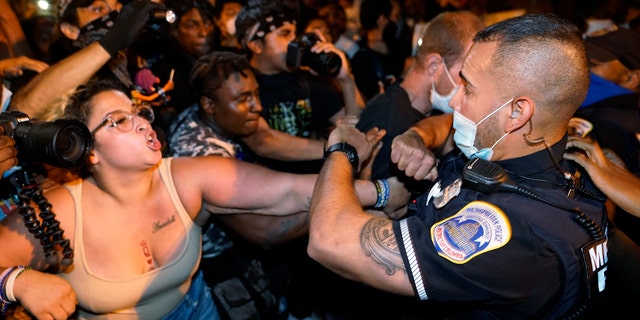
<point x="379" y="242"/>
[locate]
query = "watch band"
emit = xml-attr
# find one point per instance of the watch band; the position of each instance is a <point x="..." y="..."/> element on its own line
<point x="349" y="150"/>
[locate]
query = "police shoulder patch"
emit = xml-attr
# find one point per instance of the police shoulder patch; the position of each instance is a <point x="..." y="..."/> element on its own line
<point x="477" y="228"/>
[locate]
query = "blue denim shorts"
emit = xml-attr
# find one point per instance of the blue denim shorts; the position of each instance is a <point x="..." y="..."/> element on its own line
<point x="197" y="304"/>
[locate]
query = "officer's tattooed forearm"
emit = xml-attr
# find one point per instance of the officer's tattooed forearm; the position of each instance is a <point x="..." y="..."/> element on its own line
<point x="379" y="243"/>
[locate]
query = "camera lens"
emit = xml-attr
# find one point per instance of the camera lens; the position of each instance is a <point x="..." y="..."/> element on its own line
<point x="66" y="144"/>
<point x="326" y="63"/>
<point x="299" y="55"/>
<point x="62" y="143"/>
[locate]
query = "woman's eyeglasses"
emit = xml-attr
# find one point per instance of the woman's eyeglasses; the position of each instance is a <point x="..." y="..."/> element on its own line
<point x="123" y="120"/>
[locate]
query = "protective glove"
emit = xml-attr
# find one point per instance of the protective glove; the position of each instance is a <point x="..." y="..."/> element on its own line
<point x="131" y="20"/>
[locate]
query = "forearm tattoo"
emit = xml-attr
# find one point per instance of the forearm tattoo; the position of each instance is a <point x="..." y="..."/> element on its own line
<point x="379" y="243"/>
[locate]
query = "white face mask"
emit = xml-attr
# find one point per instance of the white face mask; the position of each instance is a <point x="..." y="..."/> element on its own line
<point x="465" y="135"/>
<point x="440" y="102"/>
<point x="231" y="25"/>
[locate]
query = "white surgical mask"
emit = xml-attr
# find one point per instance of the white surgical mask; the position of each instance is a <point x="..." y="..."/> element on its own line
<point x="465" y="135"/>
<point x="231" y="26"/>
<point x="440" y="102"/>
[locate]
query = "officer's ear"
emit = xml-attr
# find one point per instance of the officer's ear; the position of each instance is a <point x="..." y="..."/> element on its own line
<point x="522" y="109"/>
<point x="70" y="31"/>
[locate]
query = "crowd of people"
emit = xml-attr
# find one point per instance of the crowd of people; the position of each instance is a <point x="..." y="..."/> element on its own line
<point x="255" y="159"/>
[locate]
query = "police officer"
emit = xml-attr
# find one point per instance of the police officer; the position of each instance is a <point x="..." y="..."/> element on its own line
<point x="507" y="232"/>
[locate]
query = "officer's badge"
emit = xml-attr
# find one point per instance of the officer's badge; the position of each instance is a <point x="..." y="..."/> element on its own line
<point x="442" y="197"/>
<point x="477" y="228"/>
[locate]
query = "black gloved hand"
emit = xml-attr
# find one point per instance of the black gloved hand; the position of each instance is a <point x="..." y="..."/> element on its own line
<point x="131" y="20"/>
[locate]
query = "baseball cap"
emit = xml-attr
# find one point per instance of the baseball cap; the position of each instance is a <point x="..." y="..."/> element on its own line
<point x="618" y="44"/>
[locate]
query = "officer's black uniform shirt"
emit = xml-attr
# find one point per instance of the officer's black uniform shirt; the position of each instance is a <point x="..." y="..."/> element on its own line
<point x="505" y="256"/>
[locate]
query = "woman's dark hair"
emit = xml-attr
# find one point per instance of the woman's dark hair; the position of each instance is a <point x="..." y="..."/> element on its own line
<point x="79" y="105"/>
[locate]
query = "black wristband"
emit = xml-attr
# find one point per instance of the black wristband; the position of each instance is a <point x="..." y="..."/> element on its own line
<point x="349" y="150"/>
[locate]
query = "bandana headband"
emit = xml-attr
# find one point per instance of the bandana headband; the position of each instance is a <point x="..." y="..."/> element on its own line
<point x="269" y="24"/>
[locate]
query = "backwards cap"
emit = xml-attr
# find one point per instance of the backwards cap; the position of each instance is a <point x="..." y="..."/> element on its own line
<point x="619" y="44"/>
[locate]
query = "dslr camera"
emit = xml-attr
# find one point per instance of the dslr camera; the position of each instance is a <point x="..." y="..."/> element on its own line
<point x="299" y="55"/>
<point x="62" y="143"/>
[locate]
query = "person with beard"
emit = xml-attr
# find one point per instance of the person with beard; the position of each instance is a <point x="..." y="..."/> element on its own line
<point x="504" y="233"/>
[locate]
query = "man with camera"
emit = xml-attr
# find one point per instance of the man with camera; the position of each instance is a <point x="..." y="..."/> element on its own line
<point x="305" y="83"/>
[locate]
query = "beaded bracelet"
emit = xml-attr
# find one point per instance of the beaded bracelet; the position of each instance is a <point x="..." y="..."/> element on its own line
<point x="382" y="190"/>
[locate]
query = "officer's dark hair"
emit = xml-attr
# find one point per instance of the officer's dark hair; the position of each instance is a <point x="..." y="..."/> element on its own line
<point x="541" y="54"/>
<point x="210" y="71"/>
<point x="538" y="26"/>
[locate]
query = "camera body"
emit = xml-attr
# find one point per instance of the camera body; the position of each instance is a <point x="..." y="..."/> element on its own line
<point x="62" y="143"/>
<point x="299" y="55"/>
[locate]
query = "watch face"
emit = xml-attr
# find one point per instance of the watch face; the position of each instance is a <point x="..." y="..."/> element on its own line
<point x="348" y="149"/>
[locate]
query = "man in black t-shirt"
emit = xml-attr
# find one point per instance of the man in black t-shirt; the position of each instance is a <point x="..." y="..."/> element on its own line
<point x="426" y="89"/>
<point x="299" y="101"/>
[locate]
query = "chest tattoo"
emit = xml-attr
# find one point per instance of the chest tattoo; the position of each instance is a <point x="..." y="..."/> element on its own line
<point x="159" y="225"/>
<point x="147" y="254"/>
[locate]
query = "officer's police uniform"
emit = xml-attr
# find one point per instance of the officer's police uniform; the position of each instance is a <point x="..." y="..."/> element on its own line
<point x="509" y="256"/>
